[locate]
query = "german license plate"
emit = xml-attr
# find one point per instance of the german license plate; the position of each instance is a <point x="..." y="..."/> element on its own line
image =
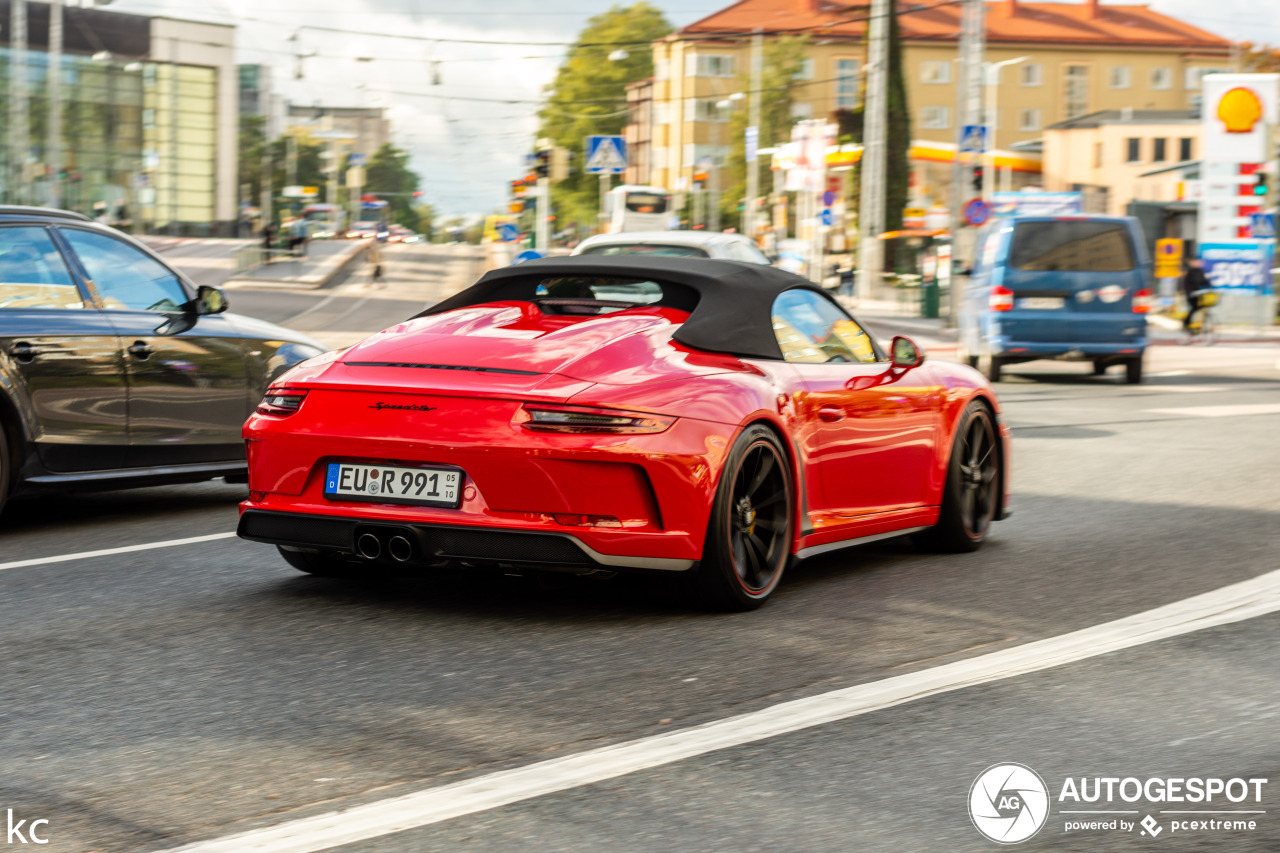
<point x="394" y="484"/>
<point x="1041" y="303"/>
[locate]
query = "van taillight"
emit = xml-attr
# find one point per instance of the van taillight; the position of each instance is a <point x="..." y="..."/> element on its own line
<point x="1001" y="298"/>
<point x="1143" y="301"/>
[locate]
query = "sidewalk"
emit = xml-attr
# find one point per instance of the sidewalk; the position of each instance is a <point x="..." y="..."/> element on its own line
<point x="325" y="261"/>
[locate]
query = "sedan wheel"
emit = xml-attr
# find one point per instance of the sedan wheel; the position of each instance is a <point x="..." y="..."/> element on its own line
<point x="973" y="485"/>
<point x="749" y="537"/>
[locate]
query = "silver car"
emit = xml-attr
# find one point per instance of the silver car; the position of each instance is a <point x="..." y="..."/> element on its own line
<point x="683" y="244"/>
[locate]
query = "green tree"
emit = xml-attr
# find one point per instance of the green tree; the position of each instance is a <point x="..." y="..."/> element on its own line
<point x="309" y="169"/>
<point x="783" y="59"/>
<point x="588" y="95"/>
<point x="251" y="147"/>
<point x="389" y="176"/>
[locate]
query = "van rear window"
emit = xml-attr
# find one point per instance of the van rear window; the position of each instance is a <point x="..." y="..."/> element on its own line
<point x="1071" y="245"/>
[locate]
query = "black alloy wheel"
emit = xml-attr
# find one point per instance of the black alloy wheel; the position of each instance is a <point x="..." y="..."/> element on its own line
<point x="749" y="537"/>
<point x="973" y="485"/>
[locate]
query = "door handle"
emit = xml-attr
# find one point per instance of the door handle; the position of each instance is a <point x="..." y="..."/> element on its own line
<point x="831" y="414"/>
<point x="141" y="350"/>
<point x="24" y="352"/>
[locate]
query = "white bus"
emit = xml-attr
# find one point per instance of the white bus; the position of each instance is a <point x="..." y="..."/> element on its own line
<point x="631" y="207"/>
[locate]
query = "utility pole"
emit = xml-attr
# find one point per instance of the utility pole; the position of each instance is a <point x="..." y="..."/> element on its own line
<point x="18" y="142"/>
<point x="542" y="230"/>
<point x="871" y="203"/>
<point x="968" y="112"/>
<point x="53" y="157"/>
<point x="751" y="214"/>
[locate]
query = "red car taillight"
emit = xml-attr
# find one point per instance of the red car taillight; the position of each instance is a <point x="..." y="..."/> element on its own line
<point x="588" y="419"/>
<point x="1001" y="298"/>
<point x="281" y="402"/>
<point x="1143" y="301"/>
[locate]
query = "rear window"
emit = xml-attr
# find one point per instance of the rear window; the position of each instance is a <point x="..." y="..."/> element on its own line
<point x="592" y="294"/>
<point x="1071" y="245"/>
<point x="647" y="202"/>
<point x="645" y="249"/>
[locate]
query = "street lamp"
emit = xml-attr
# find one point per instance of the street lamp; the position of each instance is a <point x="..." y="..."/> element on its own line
<point x="993" y="88"/>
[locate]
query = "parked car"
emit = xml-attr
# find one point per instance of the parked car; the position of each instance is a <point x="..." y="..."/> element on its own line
<point x="116" y="370"/>
<point x="680" y="244"/>
<point x="591" y="415"/>
<point x="1065" y="287"/>
<point x="362" y="229"/>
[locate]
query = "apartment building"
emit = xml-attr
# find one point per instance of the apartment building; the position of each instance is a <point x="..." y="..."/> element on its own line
<point x="1081" y="58"/>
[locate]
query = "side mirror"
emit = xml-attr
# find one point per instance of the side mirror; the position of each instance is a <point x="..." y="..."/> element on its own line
<point x="904" y="353"/>
<point x="210" y="300"/>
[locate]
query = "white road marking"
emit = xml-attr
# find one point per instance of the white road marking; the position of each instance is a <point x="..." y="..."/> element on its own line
<point x="125" y="549"/>
<point x="1171" y="373"/>
<point x="1229" y="604"/>
<point x="1223" y="411"/>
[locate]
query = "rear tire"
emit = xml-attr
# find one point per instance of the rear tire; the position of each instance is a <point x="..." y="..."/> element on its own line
<point x="6" y="466"/>
<point x="324" y="564"/>
<point x="749" y="536"/>
<point x="973" y="485"/>
<point x="1133" y="371"/>
<point x="991" y="366"/>
<point x="1099" y="367"/>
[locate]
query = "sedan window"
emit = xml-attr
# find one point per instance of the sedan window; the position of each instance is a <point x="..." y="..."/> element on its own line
<point x="646" y="249"/>
<point x="127" y="277"/>
<point x="32" y="272"/>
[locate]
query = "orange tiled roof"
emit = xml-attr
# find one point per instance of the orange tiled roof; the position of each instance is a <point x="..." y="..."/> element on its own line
<point x="928" y="20"/>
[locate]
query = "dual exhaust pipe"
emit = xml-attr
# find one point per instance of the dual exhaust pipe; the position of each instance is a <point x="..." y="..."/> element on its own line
<point x="371" y="547"/>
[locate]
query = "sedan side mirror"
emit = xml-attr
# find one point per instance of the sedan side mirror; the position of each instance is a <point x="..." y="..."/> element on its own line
<point x="210" y="300"/>
<point x="904" y="353"/>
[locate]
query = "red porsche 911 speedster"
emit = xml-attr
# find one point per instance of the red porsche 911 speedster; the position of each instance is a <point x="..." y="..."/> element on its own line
<point x="590" y="414"/>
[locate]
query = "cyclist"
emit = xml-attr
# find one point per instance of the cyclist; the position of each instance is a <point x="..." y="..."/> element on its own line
<point x="1194" y="282"/>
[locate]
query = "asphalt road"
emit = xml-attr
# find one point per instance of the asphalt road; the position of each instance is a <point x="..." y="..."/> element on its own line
<point x="170" y="695"/>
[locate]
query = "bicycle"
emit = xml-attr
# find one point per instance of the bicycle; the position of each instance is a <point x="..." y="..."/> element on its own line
<point x="1200" y="325"/>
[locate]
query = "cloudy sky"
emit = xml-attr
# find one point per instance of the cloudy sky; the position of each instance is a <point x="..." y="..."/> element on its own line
<point x="468" y="132"/>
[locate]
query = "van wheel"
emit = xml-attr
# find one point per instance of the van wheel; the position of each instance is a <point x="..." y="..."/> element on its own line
<point x="1133" y="370"/>
<point x="1099" y="367"/>
<point x="990" y="366"/>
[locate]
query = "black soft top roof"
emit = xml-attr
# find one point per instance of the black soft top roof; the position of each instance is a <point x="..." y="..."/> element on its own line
<point x="734" y="306"/>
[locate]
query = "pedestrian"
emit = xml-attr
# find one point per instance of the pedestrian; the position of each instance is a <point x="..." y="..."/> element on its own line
<point x="268" y="236"/>
<point x="1194" y="280"/>
<point x="298" y="237"/>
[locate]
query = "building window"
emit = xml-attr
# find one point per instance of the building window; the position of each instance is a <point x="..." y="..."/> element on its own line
<point x="1031" y="74"/>
<point x="1133" y="149"/>
<point x="704" y="109"/>
<point x="802" y="110"/>
<point x="1029" y="119"/>
<point x="1077" y="90"/>
<point x="935" y="118"/>
<point x="806" y="70"/>
<point x="662" y="69"/>
<point x="1097" y="155"/>
<point x="846" y="84"/>
<point x="935" y="72"/>
<point x="1162" y="77"/>
<point x="1184" y="148"/>
<point x="1192" y="76"/>
<point x="1158" y="153"/>
<point x="1119" y="77"/>
<point x="710" y="65"/>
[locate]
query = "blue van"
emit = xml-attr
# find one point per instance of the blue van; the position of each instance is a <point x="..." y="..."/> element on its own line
<point x="1066" y="287"/>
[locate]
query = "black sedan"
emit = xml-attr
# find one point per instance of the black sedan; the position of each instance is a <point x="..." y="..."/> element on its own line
<point x="115" y="370"/>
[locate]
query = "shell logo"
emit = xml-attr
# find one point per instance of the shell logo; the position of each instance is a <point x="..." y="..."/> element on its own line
<point x="1239" y="109"/>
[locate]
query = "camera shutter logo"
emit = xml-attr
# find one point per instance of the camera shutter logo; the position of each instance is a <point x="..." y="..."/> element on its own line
<point x="1008" y="803"/>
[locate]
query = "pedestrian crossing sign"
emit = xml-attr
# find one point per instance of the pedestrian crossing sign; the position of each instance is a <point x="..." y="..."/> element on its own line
<point x="973" y="138"/>
<point x="606" y="155"/>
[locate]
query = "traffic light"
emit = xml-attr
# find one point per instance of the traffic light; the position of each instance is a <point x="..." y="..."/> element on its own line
<point x="542" y="163"/>
<point x="1260" y="187"/>
<point x="977" y="178"/>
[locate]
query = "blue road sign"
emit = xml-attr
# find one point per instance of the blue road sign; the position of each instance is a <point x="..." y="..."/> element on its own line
<point x="752" y="143"/>
<point x="606" y="155"/>
<point x="974" y="138"/>
<point x="355" y="159"/>
<point x="828" y="198"/>
<point x="825" y="217"/>
<point x="526" y="255"/>
<point x="1262" y="226"/>
<point x="976" y="212"/>
<point x="508" y="232"/>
